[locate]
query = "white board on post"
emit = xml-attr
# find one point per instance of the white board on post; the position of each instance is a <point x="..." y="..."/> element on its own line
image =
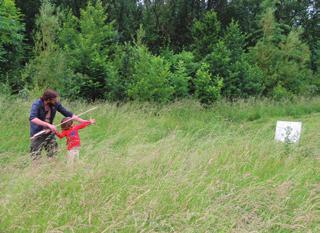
<point x="288" y="131"/>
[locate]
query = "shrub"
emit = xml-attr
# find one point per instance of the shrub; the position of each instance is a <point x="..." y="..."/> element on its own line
<point x="150" y="81"/>
<point x="207" y="88"/>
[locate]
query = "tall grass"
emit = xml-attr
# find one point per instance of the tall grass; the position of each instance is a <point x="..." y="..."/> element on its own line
<point x="173" y="168"/>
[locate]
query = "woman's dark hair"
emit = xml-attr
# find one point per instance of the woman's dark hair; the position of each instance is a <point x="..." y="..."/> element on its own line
<point x="66" y="123"/>
<point x="49" y="94"/>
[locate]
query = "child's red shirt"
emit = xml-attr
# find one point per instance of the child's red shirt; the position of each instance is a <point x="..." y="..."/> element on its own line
<point x="73" y="139"/>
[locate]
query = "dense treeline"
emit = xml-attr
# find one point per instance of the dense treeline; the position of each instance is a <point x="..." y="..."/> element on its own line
<point x="157" y="50"/>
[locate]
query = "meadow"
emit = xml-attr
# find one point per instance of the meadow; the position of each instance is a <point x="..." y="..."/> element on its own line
<point x="177" y="167"/>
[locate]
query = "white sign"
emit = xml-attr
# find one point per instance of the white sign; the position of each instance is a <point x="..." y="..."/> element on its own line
<point x="288" y="132"/>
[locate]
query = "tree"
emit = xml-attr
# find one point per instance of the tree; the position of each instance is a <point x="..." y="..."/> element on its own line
<point x="179" y="80"/>
<point x="89" y="42"/>
<point x="150" y="77"/>
<point x="48" y="67"/>
<point x="150" y="81"/>
<point x="206" y="33"/>
<point x="74" y="5"/>
<point x="29" y="9"/>
<point x="234" y="40"/>
<point x="283" y="59"/>
<point x="11" y="44"/>
<point x="243" y="79"/>
<point x="207" y="87"/>
<point x="127" y="16"/>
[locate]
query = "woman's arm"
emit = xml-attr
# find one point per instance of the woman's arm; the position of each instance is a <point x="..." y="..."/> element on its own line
<point x="37" y="121"/>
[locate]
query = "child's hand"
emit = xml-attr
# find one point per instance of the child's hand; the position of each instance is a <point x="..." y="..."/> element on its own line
<point x="92" y="121"/>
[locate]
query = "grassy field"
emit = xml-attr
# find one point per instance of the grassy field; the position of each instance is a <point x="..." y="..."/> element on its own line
<point x="172" y="168"/>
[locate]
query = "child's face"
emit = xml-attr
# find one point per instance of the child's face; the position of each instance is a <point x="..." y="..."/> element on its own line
<point x="70" y="125"/>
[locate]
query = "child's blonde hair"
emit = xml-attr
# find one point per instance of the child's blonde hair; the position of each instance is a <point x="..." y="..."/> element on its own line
<point x="66" y="123"/>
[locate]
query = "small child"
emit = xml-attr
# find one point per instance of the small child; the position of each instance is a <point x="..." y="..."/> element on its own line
<point x="73" y="140"/>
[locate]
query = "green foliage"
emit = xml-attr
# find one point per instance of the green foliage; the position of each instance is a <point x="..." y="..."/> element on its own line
<point x="153" y="21"/>
<point x="285" y="60"/>
<point x="279" y="93"/>
<point x="11" y="44"/>
<point x="186" y="57"/>
<point x="124" y="60"/>
<point x="183" y="68"/>
<point x="219" y="59"/>
<point x="11" y="29"/>
<point x="303" y="14"/>
<point x="150" y="80"/>
<point x="127" y="16"/>
<point x="169" y="23"/>
<point x="207" y="87"/>
<point x="244" y="80"/>
<point x="228" y="60"/>
<point x="49" y="67"/>
<point x="68" y="35"/>
<point x="246" y="13"/>
<point x="179" y="80"/>
<point x="270" y="28"/>
<point x="88" y="51"/>
<point x="293" y="70"/>
<point x="315" y="57"/>
<point x="206" y="33"/>
<point x="234" y="40"/>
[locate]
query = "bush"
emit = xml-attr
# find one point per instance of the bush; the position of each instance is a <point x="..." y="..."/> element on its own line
<point x="124" y="60"/>
<point x="207" y="88"/>
<point x="183" y="67"/>
<point x="150" y="81"/>
<point x="179" y="81"/>
<point x="280" y="93"/>
<point x="244" y="80"/>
